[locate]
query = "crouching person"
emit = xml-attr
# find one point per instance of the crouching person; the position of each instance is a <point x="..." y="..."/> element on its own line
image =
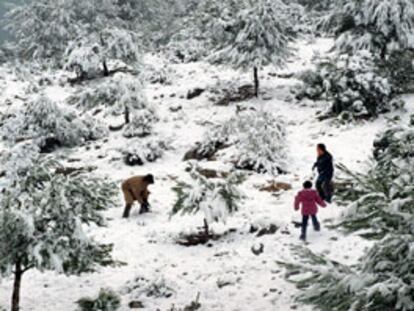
<point x="136" y="189"/>
<point x="309" y="200"/>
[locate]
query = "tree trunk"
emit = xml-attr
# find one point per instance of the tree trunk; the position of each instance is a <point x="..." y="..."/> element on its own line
<point x="126" y="115"/>
<point x="256" y="82"/>
<point x="105" y="69"/>
<point x="383" y="53"/>
<point x="206" y="230"/>
<point x="18" y="273"/>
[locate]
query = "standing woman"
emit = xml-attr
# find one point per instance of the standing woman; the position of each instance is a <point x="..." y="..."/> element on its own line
<point x="324" y="165"/>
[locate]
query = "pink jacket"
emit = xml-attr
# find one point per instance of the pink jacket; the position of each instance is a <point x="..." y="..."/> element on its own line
<point x="309" y="199"/>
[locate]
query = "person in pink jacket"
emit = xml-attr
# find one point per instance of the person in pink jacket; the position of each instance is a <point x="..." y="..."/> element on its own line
<point x="309" y="200"/>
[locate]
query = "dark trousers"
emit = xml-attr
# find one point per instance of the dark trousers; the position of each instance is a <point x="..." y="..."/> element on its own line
<point x="305" y="220"/>
<point x="144" y="209"/>
<point x="325" y="189"/>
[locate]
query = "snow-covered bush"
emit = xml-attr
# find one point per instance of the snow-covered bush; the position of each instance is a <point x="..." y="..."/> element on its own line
<point x="44" y="217"/>
<point x="141" y="123"/>
<point x="254" y="140"/>
<point x="139" y="152"/>
<point x="116" y="94"/>
<point x="188" y="50"/>
<point x="354" y="84"/>
<point x="51" y="125"/>
<point x="216" y="198"/>
<point x="158" y="72"/>
<point x="107" y="300"/>
<point x="141" y="287"/>
<point x="381" y="207"/>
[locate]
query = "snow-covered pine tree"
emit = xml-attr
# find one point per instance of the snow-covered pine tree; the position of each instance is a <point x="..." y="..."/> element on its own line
<point x="43" y="28"/>
<point x="77" y="34"/>
<point x="216" y="198"/>
<point x="258" y="36"/>
<point x="44" y="215"/>
<point x="204" y="26"/>
<point x="381" y="208"/>
<point x="50" y="125"/>
<point x="252" y="140"/>
<point x="139" y="151"/>
<point x="380" y="26"/>
<point x="153" y="20"/>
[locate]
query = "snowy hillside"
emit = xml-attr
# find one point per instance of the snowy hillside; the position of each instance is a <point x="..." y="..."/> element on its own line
<point x="226" y="274"/>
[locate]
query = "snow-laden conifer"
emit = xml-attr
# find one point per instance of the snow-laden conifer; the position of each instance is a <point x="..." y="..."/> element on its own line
<point x="44" y="215"/>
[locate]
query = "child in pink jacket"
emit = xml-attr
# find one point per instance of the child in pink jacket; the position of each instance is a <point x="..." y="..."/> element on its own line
<point x="309" y="200"/>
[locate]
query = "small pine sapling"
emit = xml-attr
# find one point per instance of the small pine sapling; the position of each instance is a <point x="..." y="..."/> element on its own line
<point x="216" y="198"/>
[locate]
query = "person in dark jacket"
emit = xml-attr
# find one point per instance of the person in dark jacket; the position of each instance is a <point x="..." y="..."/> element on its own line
<point x="324" y="165"/>
<point x="136" y="189"/>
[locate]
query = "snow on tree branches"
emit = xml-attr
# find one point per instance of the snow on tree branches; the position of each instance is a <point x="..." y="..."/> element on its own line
<point x="216" y="198"/>
<point x="87" y="54"/>
<point x="380" y="26"/>
<point x="140" y="152"/>
<point x="257" y="36"/>
<point x="44" y="215"/>
<point x="120" y="95"/>
<point x="252" y="140"/>
<point x="89" y="33"/>
<point x="43" y="28"/>
<point x="50" y="125"/>
<point x="355" y="84"/>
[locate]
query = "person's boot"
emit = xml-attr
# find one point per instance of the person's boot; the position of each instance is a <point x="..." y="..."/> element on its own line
<point x="305" y="220"/>
<point x="127" y="210"/>
<point x="316" y="224"/>
<point x="144" y="208"/>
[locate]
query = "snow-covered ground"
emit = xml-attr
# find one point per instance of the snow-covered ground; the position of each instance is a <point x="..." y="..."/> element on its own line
<point x="147" y="243"/>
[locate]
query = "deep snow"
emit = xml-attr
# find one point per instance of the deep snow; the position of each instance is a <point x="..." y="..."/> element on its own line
<point x="147" y="243"/>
